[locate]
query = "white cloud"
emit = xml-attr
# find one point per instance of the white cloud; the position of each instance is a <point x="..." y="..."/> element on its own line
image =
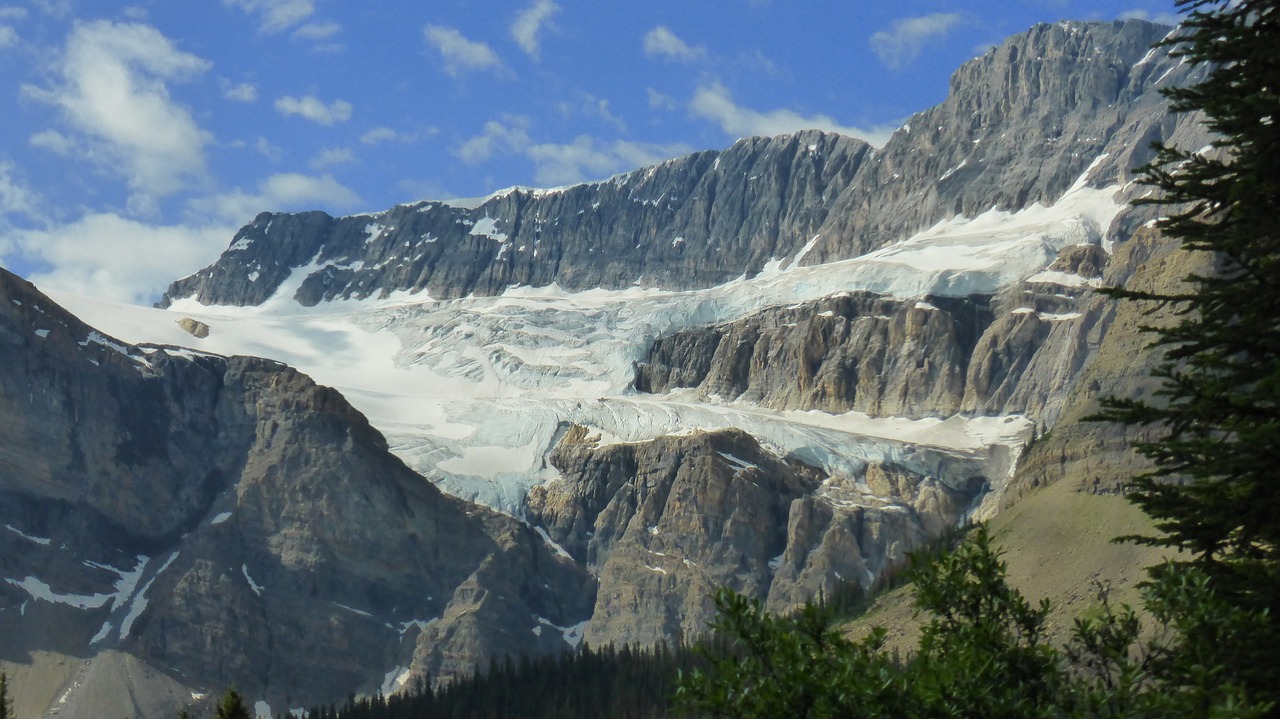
<point x="511" y="136"/>
<point x="332" y="156"/>
<point x="275" y="15"/>
<point x="714" y="102"/>
<point x="286" y="192"/>
<point x="15" y="197"/>
<point x="588" y="159"/>
<point x="8" y="36"/>
<point x="379" y="135"/>
<point x="116" y="258"/>
<point x="659" y="101"/>
<point x="1164" y="18"/>
<point x="314" y="109"/>
<point x="460" y="54"/>
<point x="114" y="95"/>
<point x="54" y="142"/>
<point x="661" y="42"/>
<point x="589" y="105"/>
<point x="268" y="150"/>
<point x="239" y="92"/>
<point x="530" y="22"/>
<point x="901" y="44"/>
<point x="13" y="13"/>
<point x="317" y="31"/>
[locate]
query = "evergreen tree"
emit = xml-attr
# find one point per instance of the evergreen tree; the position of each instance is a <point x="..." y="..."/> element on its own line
<point x="1215" y="489"/>
<point x="6" y="707"/>
<point x="231" y="706"/>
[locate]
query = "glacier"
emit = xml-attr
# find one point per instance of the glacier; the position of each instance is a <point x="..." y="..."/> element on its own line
<point x="474" y="392"/>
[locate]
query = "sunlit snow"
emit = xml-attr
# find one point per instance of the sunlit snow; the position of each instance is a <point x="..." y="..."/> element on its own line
<point x="474" y="392"/>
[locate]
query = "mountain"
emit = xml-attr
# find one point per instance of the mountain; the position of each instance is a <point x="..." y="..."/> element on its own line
<point x="510" y="424"/>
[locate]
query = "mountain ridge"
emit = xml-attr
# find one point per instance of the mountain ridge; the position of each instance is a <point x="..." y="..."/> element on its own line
<point x="709" y="217"/>
<point x="762" y="403"/>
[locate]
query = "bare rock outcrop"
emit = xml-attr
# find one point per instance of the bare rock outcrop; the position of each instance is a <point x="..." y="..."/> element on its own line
<point x="230" y="522"/>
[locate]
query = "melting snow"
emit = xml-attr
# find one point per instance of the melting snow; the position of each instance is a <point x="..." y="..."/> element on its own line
<point x="40" y="590"/>
<point x="395" y="680"/>
<point x="139" y="604"/>
<point x="257" y="588"/>
<point x="38" y="540"/>
<point x="488" y="227"/>
<point x="474" y="391"/>
<point x="546" y="538"/>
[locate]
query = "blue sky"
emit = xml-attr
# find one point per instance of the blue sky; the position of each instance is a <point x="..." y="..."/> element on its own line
<point x="137" y="137"/>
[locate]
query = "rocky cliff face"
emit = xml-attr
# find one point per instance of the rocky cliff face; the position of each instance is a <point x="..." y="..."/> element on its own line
<point x="1020" y="125"/>
<point x="1011" y="353"/>
<point x="663" y="524"/>
<point x="693" y="221"/>
<point x="227" y="520"/>
<point x="230" y="522"/>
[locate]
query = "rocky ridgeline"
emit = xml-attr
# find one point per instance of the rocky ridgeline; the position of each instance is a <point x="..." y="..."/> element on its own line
<point x="693" y="221"/>
<point x="1020" y="125"/>
<point x="929" y="357"/>
<point x="226" y="521"/>
<point x="273" y="541"/>
<point x="663" y="524"/>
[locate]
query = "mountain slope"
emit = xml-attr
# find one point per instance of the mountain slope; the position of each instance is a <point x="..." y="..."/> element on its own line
<point x="228" y="521"/>
<point x="777" y="367"/>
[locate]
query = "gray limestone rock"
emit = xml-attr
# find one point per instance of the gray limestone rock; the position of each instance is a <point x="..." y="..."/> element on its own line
<point x="1020" y="125"/>
<point x="230" y="522"/>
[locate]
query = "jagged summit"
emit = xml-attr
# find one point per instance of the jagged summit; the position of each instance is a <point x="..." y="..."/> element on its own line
<point x="848" y="352"/>
<point x="1020" y="125"/>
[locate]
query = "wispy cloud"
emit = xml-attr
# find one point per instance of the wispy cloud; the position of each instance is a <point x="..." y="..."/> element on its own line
<point x="379" y="135"/>
<point x="507" y="136"/>
<point x="238" y="91"/>
<point x="331" y="156"/>
<point x="661" y="42"/>
<point x="714" y="102"/>
<point x="283" y="191"/>
<point x="8" y="36"/>
<point x="317" y="31"/>
<point x="16" y="199"/>
<point x="117" y="258"/>
<point x="315" y="109"/>
<point x="588" y="105"/>
<point x="275" y="16"/>
<point x="587" y="158"/>
<point x="529" y="24"/>
<point x="901" y="44"/>
<point x="660" y="101"/>
<point x="114" y="97"/>
<point x="1164" y="18"/>
<point x="458" y="53"/>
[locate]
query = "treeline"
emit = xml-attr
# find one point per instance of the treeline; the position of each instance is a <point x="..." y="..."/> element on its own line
<point x="629" y="682"/>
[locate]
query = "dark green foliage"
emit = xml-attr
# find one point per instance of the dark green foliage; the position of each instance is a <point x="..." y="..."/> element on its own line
<point x="6" y="706"/>
<point x="231" y="706"/>
<point x="982" y="654"/>
<point x="785" y="666"/>
<point x="1214" y="491"/>
<point x="629" y="682"/>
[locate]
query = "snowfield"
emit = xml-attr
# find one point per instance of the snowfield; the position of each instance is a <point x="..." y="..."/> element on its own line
<point x="473" y="393"/>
